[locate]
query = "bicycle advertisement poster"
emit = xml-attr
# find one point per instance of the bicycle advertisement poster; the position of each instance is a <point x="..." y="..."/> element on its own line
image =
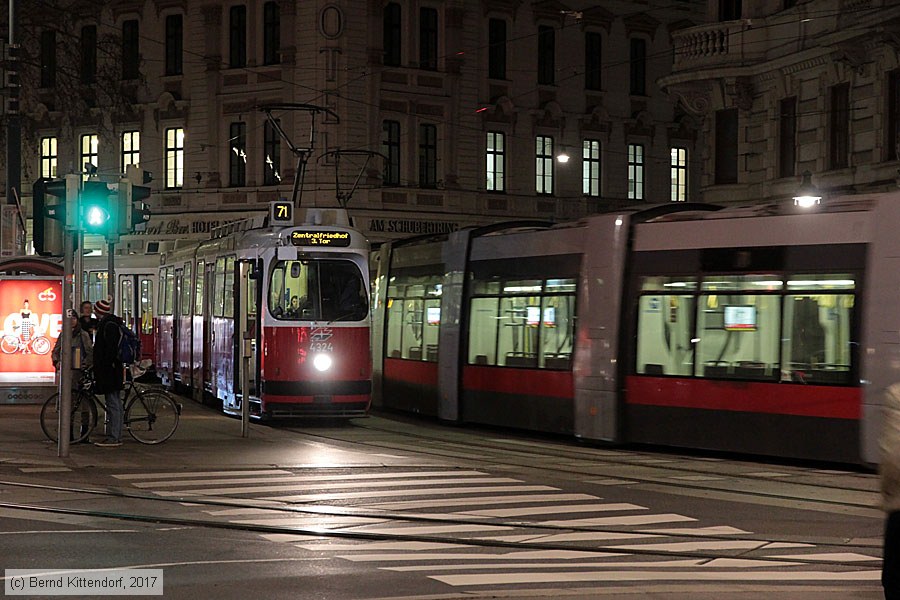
<point x="31" y="313"/>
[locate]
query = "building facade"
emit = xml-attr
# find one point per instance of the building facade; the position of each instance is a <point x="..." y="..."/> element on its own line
<point x="420" y="116"/>
<point x="785" y="87"/>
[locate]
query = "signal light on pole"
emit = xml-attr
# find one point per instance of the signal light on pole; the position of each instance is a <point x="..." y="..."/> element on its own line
<point x="96" y="209"/>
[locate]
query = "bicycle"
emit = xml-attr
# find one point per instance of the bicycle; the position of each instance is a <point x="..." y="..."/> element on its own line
<point x="151" y="416"/>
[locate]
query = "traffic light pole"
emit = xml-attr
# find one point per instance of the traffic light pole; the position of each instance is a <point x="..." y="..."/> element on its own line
<point x="111" y="271"/>
<point x="79" y="272"/>
<point x="65" y="354"/>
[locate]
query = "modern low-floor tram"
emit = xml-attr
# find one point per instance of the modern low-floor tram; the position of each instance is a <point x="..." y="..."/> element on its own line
<point x="760" y="330"/>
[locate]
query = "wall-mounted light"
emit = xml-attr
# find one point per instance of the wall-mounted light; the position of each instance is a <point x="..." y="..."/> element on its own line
<point x="807" y="195"/>
<point x="563" y="156"/>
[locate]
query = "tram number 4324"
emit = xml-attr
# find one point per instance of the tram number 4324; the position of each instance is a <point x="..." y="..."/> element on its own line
<point x="321" y="347"/>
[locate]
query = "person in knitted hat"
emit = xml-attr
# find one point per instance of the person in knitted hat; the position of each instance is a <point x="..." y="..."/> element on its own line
<point x="109" y="372"/>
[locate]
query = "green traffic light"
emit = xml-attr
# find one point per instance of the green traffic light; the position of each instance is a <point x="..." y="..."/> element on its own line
<point x="96" y="217"/>
<point x="95" y="208"/>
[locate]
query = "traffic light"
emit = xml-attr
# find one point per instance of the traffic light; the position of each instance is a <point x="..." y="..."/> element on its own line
<point x="97" y="212"/>
<point x="46" y="228"/>
<point x="134" y="213"/>
<point x="48" y="220"/>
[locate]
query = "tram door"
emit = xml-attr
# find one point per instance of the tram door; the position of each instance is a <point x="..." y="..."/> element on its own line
<point x="176" y="324"/>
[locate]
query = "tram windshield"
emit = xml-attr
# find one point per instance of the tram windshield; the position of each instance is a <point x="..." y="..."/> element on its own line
<point x="317" y="290"/>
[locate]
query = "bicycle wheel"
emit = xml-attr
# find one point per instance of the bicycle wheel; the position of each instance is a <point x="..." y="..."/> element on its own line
<point x="152" y="417"/>
<point x="83" y="419"/>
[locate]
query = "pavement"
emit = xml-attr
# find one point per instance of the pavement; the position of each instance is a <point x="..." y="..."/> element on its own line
<point x="205" y="438"/>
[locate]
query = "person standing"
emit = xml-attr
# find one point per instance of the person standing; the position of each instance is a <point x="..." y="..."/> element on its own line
<point x="109" y="372"/>
<point x="87" y="320"/>
<point x="82" y="360"/>
<point x="889" y="470"/>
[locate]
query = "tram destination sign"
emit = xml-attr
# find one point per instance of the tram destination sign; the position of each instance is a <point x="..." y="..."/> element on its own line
<point x="320" y="237"/>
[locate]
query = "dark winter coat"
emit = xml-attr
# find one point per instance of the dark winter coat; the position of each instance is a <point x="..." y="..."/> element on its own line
<point x="109" y="373"/>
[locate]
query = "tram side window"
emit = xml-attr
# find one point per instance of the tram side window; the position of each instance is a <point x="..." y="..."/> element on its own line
<point x="169" y="291"/>
<point x="146" y="305"/>
<point x="414" y="317"/>
<point x="393" y="347"/>
<point x="229" y="287"/>
<point x="816" y="347"/>
<point x="531" y="324"/>
<point x="95" y="285"/>
<point x="483" y="322"/>
<point x="186" y="300"/>
<point x="198" y="286"/>
<point x="126" y="302"/>
<point x="219" y="288"/>
<point x="665" y="329"/>
<point x="738" y="335"/>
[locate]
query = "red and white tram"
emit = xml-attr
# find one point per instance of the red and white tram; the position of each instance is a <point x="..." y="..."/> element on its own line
<point x="134" y="293"/>
<point x="308" y="318"/>
<point x="762" y="330"/>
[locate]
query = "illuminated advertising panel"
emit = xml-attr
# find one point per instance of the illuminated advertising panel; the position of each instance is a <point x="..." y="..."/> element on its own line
<point x="31" y="312"/>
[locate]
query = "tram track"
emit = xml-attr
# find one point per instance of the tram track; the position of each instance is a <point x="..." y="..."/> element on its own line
<point x="522" y="459"/>
<point x="152" y="517"/>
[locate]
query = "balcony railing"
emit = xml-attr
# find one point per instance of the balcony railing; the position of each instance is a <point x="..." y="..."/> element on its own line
<point x="731" y="43"/>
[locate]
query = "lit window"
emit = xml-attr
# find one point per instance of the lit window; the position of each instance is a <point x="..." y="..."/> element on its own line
<point x="679" y="171"/>
<point x="543" y="164"/>
<point x="174" y="157"/>
<point x="496" y="162"/>
<point x="131" y="149"/>
<point x="90" y="153"/>
<point x="590" y="178"/>
<point x="635" y="172"/>
<point x="49" y="157"/>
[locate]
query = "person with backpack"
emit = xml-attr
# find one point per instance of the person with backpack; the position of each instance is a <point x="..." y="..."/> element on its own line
<point x="109" y="370"/>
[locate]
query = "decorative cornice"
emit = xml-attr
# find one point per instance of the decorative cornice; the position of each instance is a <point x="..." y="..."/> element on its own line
<point x="597" y="17"/>
<point x="641" y="23"/>
<point x="853" y="54"/>
<point x="740" y="89"/>
<point x="504" y="7"/>
<point x="120" y="8"/>
<point x="549" y="10"/>
<point x="164" y="5"/>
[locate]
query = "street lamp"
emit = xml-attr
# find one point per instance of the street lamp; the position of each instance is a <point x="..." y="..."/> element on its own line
<point x="807" y="195"/>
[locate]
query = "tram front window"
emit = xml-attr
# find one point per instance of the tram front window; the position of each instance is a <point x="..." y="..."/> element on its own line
<point x="326" y="290"/>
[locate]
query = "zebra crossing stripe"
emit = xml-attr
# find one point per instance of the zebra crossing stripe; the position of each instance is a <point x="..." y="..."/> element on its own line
<point x="291" y="478"/>
<point x="556" y="509"/>
<point x="445" y="556"/>
<point x="405" y="493"/>
<point x="332" y="486"/>
<point x="623" y="520"/>
<point x="695" y="575"/>
<point x="482" y="501"/>
<point x="676" y="563"/>
<point x="182" y="474"/>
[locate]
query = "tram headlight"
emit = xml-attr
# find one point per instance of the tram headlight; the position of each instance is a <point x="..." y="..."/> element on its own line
<point x="322" y="362"/>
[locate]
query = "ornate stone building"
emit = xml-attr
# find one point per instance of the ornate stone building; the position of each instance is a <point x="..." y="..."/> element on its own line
<point x="467" y="104"/>
<point x="783" y="87"/>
